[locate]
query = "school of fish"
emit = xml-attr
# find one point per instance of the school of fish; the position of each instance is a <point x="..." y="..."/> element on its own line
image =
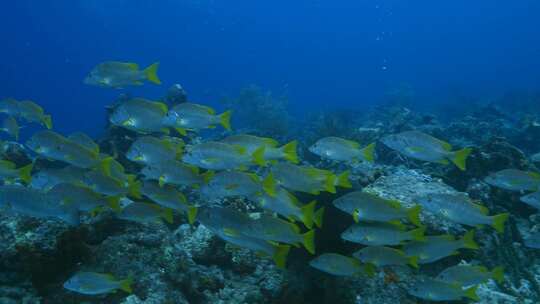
<point x="262" y="170"/>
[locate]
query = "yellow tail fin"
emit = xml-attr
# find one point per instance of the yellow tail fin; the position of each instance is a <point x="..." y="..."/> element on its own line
<point x="471" y="293"/>
<point x="47" y="121"/>
<point x="307" y="214"/>
<point x="134" y="188"/>
<point x="289" y="152"/>
<point x="413" y="261"/>
<point x="167" y="215"/>
<point x="125" y="285"/>
<point x="414" y="215"/>
<point x="498" y="274"/>
<point x="498" y="222"/>
<point x="318" y="217"/>
<point x="343" y="180"/>
<point x="269" y="185"/>
<point x="460" y="158"/>
<point x="369" y="152"/>
<point x="151" y="73"/>
<point x="114" y="203"/>
<point x="468" y="240"/>
<point x="207" y="176"/>
<point x="330" y="184"/>
<point x="192" y="214"/>
<point x="418" y="234"/>
<point x="181" y="131"/>
<point x="258" y="157"/>
<point x="280" y="255"/>
<point x="25" y="173"/>
<point x="105" y="165"/>
<point x="309" y="241"/>
<point x="369" y="269"/>
<point x="225" y="120"/>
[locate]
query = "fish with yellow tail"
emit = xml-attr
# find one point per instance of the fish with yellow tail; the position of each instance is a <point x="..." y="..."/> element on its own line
<point x="340" y="149"/>
<point x="421" y="146"/>
<point x="115" y="74"/>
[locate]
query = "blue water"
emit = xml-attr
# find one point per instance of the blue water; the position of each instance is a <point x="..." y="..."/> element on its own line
<point x="321" y="54"/>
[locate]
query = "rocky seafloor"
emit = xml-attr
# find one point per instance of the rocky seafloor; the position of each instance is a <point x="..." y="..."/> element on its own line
<point x="183" y="263"/>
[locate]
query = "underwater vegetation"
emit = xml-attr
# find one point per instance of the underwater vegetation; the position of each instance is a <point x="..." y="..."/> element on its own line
<point x="397" y="209"/>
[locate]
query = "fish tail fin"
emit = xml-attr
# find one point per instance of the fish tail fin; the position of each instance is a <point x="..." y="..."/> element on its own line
<point x="134" y="188"/>
<point x="114" y="203"/>
<point x="167" y="215"/>
<point x="418" y="234"/>
<point x="309" y="241"/>
<point x="258" y="156"/>
<point x="468" y="240"/>
<point x="369" y="152"/>
<point x="289" y="152"/>
<point x="318" y="217"/>
<point x="25" y="173"/>
<point x="471" y="293"/>
<point x="308" y="213"/>
<point x="207" y="176"/>
<point x="225" y="120"/>
<point x="413" y="261"/>
<point x="343" y="180"/>
<point x="269" y="185"/>
<point x="105" y="165"/>
<point x="47" y="121"/>
<point x="192" y="214"/>
<point x="151" y="73"/>
<point x="459" y="158"/>
<point x="280" y="255"/>
<point x="414" y="215"/>
<point x="498" y="274"/>
<point x="370" y="269"/>
<point x="125" y="285"/>
<point x="181" y="131"/>
<point x="330" y="184"/>
<point x="498" y="222"/>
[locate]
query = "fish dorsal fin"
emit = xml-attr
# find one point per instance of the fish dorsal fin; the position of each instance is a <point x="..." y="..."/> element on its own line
<point x="397" y="224"/>
<point x="483" y="209"/>
<point x="193" y="169"/>
<point x="293" y="198"/>
<point x="132" y="66"/>
<point x="270" y="142"/>
<point x="482" y="269"/>
<point x="254" y="177"/>
<point x="315" y="172"/>
<point x="399" y="251"/>
<point x="353" y="144"/>
<point x="209" y="110"/>
<point x="240" y="149"/>
<point x="394" y="203"/>
<point x="85" y="141"/>
<point x="294" y="227"/>
<point x="447" y="237"/>
<point x="446" y="146"/>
